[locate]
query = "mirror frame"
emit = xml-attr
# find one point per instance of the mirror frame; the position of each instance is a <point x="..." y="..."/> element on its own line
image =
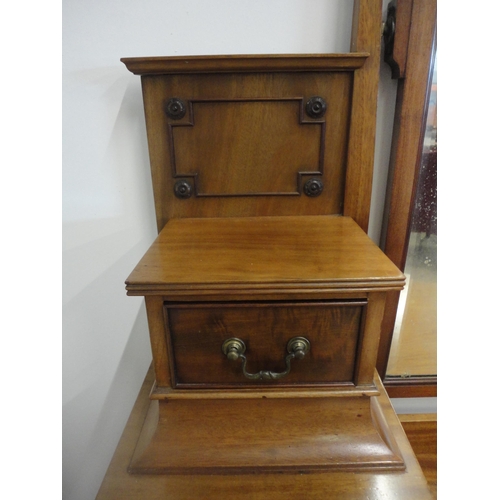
<point x="411" y="60"/>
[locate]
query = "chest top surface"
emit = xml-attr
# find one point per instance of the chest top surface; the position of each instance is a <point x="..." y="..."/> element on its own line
<point x="330" y="251"/>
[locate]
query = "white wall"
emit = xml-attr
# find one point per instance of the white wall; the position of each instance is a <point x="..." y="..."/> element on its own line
<point x="108" y="210"/>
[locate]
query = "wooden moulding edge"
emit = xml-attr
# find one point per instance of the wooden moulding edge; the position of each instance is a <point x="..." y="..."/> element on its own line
<point x="411" y="387"/>
<point x="245" y="63"/>
<point x="166" y="289"/>
<point x="159" y="393"/>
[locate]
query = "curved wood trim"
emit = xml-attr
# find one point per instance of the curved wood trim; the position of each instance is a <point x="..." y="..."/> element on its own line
<point x="244" y="63"/>
<point x="396" y="47"/>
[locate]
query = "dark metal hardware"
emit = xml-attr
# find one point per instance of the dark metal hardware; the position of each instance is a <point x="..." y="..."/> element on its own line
<point x="316" y="107"/>
<point x="313" y="187"/>
<point x="183" y="189"/>
<point x="175" y="108"/>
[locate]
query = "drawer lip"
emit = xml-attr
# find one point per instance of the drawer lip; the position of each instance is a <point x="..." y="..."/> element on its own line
<point x="259" y="303"/>
<point x="329" y="377"/>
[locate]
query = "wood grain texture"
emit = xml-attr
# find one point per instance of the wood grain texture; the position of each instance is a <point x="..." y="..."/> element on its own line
<point x="350" y="118"/>
<point x="207" y="148"/>
<point x="265" y="435"/>
<point x="409" y="124"/>
<point x="421" y="431"/>
<point x="365" y="36"/>
<point x="245" y="143"/>
<point x="386" y="333"/>
<point x="397" y="59"/>
<point x="118" y="484"/>
<point x="275" y="253"/>
<point x="158" y="339"/>
<point x="368" y="347"/>
<point x="244" y="63"/>
<point x="414" y="348"/>
<point x="198" y="331"/>
<point x="411" y="387"/>
<point x="317" y="391"/>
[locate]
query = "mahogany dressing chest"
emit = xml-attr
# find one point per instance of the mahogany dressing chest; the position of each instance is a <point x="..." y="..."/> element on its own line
<point x="264" y="294"/>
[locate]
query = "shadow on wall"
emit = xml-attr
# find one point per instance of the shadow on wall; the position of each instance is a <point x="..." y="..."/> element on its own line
<point x="107" y="364"/>
<point x="110" y="223"/>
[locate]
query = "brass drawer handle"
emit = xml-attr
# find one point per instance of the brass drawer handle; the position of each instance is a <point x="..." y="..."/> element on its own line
<point x="297" y="348"/>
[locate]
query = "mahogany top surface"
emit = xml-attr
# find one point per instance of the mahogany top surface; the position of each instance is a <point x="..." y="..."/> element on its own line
<point x="250" y="252"/>
<point x="244" y="63"/>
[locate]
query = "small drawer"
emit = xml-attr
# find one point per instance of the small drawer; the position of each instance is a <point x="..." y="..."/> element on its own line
<point x="198" y="331"/>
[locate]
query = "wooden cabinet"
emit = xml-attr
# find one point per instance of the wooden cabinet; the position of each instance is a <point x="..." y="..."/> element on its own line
<point x="264" y="282"/>
<point x="264" y="295"/>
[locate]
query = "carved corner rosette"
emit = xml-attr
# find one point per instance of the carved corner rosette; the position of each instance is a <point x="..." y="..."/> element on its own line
<point x="313" y="187"/>
<point x="315" y="108"/>
<point x="175" y="108"/>
<point x="183" y="189"/>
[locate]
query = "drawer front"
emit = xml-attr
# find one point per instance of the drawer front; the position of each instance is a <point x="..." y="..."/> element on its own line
<point x="197" y="333"/>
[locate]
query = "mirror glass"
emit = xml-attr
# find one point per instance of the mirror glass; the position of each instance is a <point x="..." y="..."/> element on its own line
<point x="414" y="344"/>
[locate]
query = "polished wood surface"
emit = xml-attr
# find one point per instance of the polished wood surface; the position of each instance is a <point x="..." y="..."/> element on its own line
<point x="244" y="63"/>
<point x="288" y="146"/>
<point x="246" y="145"/>
<point x="197" y="332"/>
<point x="254" y="106"/>
<point x="421" y="431"/>
<point x="277" y="253"/>
<point x="265" y="435"/>
<point x="266" y="392"/>
<point x="245" y="229"/>
<point x="414" y="348"/>
<point x="368" y="347"/>
<point x="118" y="484"/>
<point x="413" y="387"/>
<point x="211" y="261"/>
<point x="158" y="339"/>
<point x="409" y="127"/>
<point x="365" y="36"/>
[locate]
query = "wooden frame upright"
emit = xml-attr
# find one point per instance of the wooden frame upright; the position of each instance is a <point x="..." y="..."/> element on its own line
<point x="415" y="37"/>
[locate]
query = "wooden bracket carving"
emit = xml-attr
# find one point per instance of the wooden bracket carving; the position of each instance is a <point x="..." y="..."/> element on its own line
<point x="396" y="34"/>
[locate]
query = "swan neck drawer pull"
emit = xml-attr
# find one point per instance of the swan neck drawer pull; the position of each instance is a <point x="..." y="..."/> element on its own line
<point x="234" y="349"/>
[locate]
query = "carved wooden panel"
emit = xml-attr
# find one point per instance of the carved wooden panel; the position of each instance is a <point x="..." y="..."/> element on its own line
<point x="246" y="144"/>
<point x="235" y="160"/>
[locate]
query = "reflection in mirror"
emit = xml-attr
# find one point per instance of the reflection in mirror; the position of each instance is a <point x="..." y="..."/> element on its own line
<point x="413" y="348"/>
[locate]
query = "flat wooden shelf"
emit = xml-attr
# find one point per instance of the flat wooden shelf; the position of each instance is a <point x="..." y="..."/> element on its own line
<point x="249" y="253"/>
